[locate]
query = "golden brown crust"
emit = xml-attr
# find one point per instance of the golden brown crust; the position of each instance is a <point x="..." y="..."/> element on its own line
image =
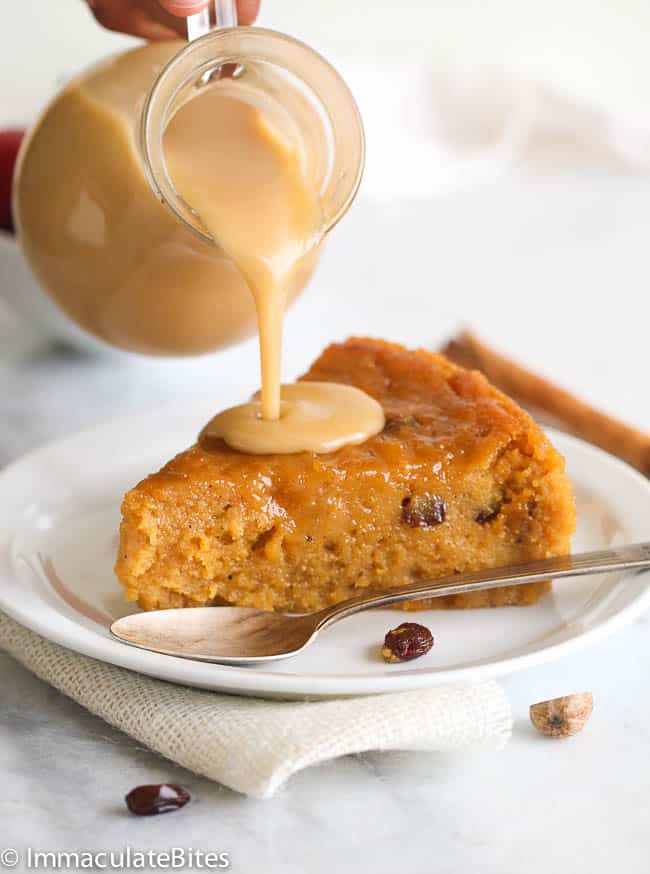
<point x="460" y="478"/>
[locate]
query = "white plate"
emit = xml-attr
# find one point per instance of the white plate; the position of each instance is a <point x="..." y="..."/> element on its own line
<point x="59" y="515"/>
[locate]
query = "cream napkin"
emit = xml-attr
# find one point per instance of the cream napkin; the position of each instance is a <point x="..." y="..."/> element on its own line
<point x="253" y="745"/>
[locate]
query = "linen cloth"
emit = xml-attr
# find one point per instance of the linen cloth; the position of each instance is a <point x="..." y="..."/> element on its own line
<point x="254" y="745"/>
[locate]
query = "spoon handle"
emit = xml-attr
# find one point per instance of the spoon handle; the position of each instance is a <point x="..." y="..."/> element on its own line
<point x="199" y="23"/>
<point x="226" y="11"/>
<point x="634" y="557"/>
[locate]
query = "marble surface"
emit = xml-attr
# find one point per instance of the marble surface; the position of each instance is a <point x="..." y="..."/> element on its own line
<point x="580" y="805"/>
<point x="510" y="259"/>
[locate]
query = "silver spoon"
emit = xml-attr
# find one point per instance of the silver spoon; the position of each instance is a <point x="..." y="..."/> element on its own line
<point x="199" y="24"/>
<point x="244" y="636"/>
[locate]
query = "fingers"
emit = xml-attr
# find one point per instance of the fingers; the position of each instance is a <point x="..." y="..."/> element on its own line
<point x="183" y="8"/>
<point x="158" y="19"/>
<point x="247" y="10"/>
<point x="144" y="18"/>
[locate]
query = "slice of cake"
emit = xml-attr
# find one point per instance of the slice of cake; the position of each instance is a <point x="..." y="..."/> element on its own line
<point x="459" y="479"/>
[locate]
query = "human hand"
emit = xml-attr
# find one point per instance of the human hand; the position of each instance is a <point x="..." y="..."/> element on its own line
<point x="158" y="19"/>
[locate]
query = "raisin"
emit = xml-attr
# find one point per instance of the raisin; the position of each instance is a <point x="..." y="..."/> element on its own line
<point x="156" y="798"/>
<point x="408" y="641"/>
<point x="423" y="512"/>
<point x="487" y="514"/>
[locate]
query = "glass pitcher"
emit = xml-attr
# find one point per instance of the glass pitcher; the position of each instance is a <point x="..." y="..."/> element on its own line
<point x="100" y="222"/>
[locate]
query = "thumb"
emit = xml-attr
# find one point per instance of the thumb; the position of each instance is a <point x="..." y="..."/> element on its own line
<point x="246" y="9"/>
<point x="183" y="7"/>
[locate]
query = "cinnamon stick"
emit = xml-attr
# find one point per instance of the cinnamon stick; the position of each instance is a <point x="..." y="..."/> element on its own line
<point x="548" y="401"/>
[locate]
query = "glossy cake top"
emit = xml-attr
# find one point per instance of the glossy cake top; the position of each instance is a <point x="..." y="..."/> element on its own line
<point x="439" y="417"/>
<point x="440" y="404"/>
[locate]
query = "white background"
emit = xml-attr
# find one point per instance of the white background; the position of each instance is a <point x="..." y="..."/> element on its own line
<point x="596" y="48"/>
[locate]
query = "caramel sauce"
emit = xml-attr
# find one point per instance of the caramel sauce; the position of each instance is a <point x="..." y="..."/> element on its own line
<point x="314" y="417"/>
<point x="236" y="163"/>
<point x="110" y="254"/>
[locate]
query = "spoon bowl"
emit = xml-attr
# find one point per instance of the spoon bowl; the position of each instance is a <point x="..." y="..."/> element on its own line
<point x="228" y="635"/>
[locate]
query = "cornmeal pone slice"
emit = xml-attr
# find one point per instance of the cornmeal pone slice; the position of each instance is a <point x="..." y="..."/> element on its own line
<point x="459" y="479"/>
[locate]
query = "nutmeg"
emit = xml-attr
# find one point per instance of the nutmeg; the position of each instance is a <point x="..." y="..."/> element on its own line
<point x="562" y="717"/>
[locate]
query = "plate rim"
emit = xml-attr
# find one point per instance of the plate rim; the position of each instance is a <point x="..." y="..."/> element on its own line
<point x="249" y="681"/>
